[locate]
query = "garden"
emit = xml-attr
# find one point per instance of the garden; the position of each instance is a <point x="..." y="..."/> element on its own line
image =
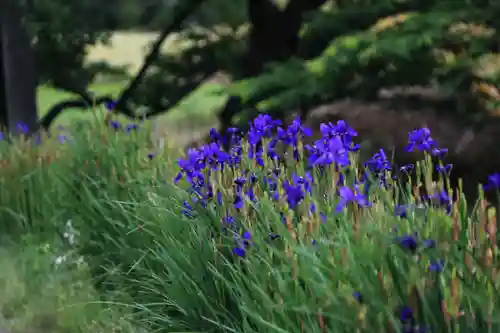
<point x="272" y="235"/>
<point x="294" y="166"/>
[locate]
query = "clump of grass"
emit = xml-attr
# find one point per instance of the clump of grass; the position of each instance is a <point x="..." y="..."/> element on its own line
<point x="316" y="242"/>
<point x="252" y="240"/>
<point x="45" y="285"/>
<point x="41" y="293"/>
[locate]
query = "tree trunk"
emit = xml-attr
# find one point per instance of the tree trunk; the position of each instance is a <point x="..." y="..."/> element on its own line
<point x="18" y="72"/>
<point x="274" y="36"/>
<point x="3" y="95"/>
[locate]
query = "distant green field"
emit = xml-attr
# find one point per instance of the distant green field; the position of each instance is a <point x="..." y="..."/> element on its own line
<point x="47" y="97"/>
<point x="198" y="107"/>
<point x="128" y="49"/>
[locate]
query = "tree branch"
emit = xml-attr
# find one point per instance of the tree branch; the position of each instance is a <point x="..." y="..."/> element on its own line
<point x="182" y="15"/>
<point x="121" y="105"/>
<point x="78" y="103"/>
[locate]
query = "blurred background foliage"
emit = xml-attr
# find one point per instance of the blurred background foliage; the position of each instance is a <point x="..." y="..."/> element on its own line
<point x="340" y="49"/>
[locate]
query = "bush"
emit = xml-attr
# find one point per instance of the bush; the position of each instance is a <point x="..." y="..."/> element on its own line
<point x="275" y="236"/>
<point x="356" y="50"/>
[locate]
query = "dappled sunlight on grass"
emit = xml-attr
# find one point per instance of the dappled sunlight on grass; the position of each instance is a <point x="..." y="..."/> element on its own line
<point x="194" y="113"/>
<point x="48" y="97"/>
<point x="40" y="293"/>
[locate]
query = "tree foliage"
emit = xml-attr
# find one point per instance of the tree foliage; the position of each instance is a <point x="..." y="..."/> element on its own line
<point x="176" y="75"/>
<point x="62" y="32"/>
<point x="287" y="55"/>
<point x="436" y="43"/>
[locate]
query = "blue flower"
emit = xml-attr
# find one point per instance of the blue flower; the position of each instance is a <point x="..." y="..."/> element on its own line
<point x="378" y="163"/>
<point x="115" y="125"/>
<point x="235" y="137"/>
<point x="62" y="138"/>
<point x="188" y="209"/>
<point x="243" y="243"/>
<point x="239" y="251"/>
<point x="190" y="166"/>
<point x="110" y="105"/>
<point x="327" y="152"/>
<point x="217" y="138"/>
<point x="297" y="129"/>
<point x="437" y="266"/>
<point x="271" y="183"/>
<point x="218" y="197"/>
<point x="256" y="152"/>
<point x="251" y="194"/>
<point x="443" y="200"/>
<point x="261" y="127"/>
<point x="342" y="131"/>
<point x="291" y="136"/>
<point x="421" y="140"/>
<point x="347" y="195"/>
<point x="357" y="296"/>
<point x="239" y="182"/>
<point x="445" y="169"/>
<point x="296" y="190"/>
<point x="294" y="193"/>
<point x="131" y="127"/>
<point x="271" y="149"/>
<point x="439" y="152"/>
<point x="429" y="243"/>
<point x="401" y="211"/>
<point x="408" y="242"/>
<point x="213" y="155"/>
<point x="493" y="182"/>
<point x="238" y="201"/>
<point x="23" y="128"/>
<point x="379" y="166"/>
<point x="405" y="314"/>
<point x="407" y="168"/>
<point x="306" y="181"/>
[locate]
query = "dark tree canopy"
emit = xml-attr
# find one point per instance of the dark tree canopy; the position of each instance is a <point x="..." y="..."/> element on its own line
<point x="282" y="55"/>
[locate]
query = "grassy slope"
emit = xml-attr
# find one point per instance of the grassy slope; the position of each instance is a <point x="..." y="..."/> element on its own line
<point x="38" y="295"/>
<point x="35" y="295"/>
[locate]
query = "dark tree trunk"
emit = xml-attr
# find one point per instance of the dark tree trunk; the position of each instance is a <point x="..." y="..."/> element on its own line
<point x="18" y="71"/>
<point x="274" y="36"/>
<point x="3" y="97"/>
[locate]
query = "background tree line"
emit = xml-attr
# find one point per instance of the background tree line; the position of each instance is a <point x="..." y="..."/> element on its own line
<point x="280" y="54"/>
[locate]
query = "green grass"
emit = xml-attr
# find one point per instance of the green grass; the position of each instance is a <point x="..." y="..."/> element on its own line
<point x="197" y="108"/>
<point x="48" y="97"/>
<point x="173" y="272"/>
<point x="166" y="270"/>
<point x="39" y="295"/>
